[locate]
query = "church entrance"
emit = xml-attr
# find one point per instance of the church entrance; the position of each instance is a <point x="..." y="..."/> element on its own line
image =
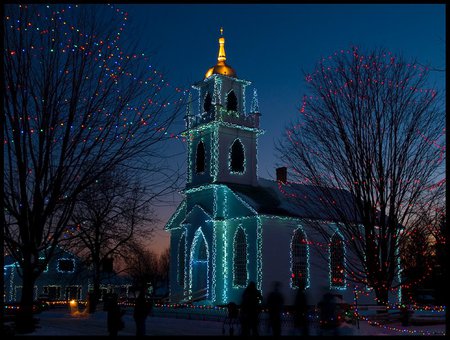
<point x="199" y="268"/>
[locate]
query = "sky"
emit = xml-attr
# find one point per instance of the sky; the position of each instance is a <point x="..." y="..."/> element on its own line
<point x="271" y="46"/>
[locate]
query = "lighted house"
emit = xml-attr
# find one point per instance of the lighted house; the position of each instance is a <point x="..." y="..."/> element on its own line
<point x="64" y="278"/>
<point x="233" y="227"/>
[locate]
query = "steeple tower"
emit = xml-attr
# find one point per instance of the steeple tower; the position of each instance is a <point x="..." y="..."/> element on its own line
<point x="222" y="135"/>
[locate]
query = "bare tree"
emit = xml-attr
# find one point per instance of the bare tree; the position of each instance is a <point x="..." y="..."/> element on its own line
<point x="142" y="266"/>
<point x="164" y="267"/>
<point x="76" y="105"/>
<point x="372" y="127"/>
<point x="108" y="215"/>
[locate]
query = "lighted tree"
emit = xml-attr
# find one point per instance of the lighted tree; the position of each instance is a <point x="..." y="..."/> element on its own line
<point x="372" y="127"/>
<point x="76" y="104"/>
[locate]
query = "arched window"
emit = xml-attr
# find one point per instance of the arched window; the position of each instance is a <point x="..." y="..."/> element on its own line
<point x="337" y="265"/>
<point x="299" y="260"/>
<point x="181" y="260"/>
<point x="207" y="103"/>
<point x="240" y="258"/>
<point x="237" y="157"/>
<point x="231" y="101"/>
<point x="200" y="158"/>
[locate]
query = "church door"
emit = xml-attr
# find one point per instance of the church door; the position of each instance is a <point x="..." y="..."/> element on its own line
<point x="199" y="267"/>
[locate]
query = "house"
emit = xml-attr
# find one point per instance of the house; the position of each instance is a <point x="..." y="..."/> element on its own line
<point x="64" y="278"/>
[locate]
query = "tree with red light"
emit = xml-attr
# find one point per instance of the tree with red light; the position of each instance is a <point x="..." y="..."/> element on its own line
<point x="371" y="126"/>
<point x="77" y="104"/>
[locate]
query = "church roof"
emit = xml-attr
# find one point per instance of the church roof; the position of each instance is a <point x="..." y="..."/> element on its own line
<point x="295" y="200"/>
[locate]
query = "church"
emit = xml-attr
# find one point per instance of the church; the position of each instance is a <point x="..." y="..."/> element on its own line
<point x="233" y="227"/>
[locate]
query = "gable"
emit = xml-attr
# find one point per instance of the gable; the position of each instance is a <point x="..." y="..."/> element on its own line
<point x="177" y="217"/>
<point x="196" y="214"/>
<point x="235" y="206"/>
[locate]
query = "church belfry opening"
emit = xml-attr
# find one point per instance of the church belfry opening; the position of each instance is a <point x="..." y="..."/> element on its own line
<point x="207" y="104"/>
<point x="231" y="101"/>
<point x="237" y="157"/>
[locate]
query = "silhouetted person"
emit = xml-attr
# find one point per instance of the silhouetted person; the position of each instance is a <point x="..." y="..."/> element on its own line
<point x="250" y="307"/>
<point x="114" y="318"/>
<point x="140" y="313"/>
<point x="275" y="305"/>
<point x="328" y="315"/>
<point x="301" y="321"/>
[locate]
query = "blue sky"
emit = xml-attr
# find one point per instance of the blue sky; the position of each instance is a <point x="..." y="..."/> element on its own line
<point x="271" y="45"/>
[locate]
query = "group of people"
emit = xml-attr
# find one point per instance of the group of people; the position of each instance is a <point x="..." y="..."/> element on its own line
<point x="251" y="306"/>
<point x="115" y="323"/>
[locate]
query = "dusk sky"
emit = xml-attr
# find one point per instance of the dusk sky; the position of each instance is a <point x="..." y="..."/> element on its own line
<point x="271" y="45"/>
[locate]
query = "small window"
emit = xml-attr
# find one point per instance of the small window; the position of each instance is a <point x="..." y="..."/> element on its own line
<point x="231" y="101"/>
<point x="337" y="265"/>
<point x="53" y="292"/>
<point x="73" y="292"/>
<point x="240" y="259"/>
<point x="200" y="158"/>
<point x="66" y="265"/>
<point x="207" y="103"/>
<point x="237" y="157"/>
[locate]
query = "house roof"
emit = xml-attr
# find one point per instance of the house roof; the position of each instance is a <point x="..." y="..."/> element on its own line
<point x="297" y="200"/>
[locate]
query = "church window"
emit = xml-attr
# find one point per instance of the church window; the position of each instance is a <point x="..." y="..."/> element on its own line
<point x="181" y="260"/>
<point x="207" y="103"/>
<point x="240" y="259"/>
<point x="231" y="101"/>
<point x="237" y="157"/>
<point x="200" y="158"/>
<point x="337" y="266"/>
<point x="299" y="258"/>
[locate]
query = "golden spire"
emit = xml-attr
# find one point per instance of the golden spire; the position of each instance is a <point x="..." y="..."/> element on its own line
<point x="221" y="67"/>
<point x="222" y="57"/>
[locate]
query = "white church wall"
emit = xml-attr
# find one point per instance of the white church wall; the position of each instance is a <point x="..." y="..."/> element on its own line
<point x="276" y="239"/>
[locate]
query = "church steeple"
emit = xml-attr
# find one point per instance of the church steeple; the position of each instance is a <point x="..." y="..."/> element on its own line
<point x="221" y="131"/>
<point x="221" y="67"/>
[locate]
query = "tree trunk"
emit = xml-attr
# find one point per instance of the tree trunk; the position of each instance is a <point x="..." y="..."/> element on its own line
<point x="382" y="295"/>
<point x="95" y="295"/>
<point x="25" y="322"/>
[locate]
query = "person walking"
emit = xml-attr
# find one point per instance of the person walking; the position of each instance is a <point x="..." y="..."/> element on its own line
<point x="114" y="316"/>
<point x="140" y="313"/>
<point x="275" y="305"/>
<point x="250" y="308"/>
<point x="301" y="321"/>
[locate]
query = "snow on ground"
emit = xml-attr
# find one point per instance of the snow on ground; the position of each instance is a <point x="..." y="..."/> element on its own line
<point x="60" y="322"/>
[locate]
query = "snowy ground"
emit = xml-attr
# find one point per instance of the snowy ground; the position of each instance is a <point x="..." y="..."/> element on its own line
<point x="60" y="322"/>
